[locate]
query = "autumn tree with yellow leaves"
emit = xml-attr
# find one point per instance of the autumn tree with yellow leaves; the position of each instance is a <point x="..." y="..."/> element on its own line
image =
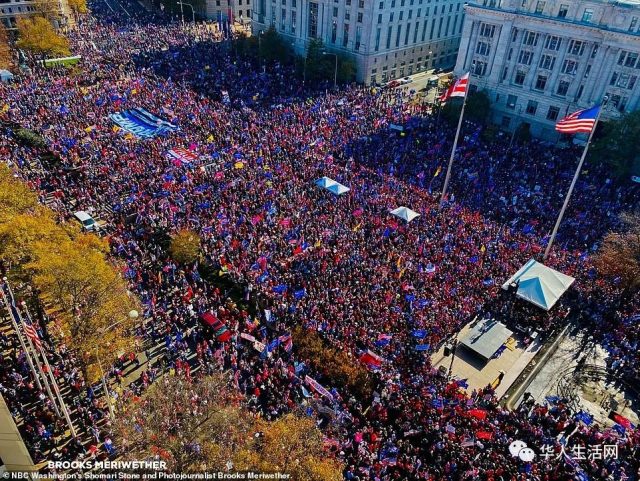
<point x="185" y="246"/>
<point x="37" y="35"/>
<point x="71" y="273"/>
<point x="201" y="425"/>
<point x="78" y="6"/>
<point x="6" y="58"/>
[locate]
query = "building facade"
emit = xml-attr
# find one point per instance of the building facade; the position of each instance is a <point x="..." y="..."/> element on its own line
<point x="10" y="10"/>
<point x="540" y="60"/>
<point x="238" y="11"/>
<point x="387" y="39"/>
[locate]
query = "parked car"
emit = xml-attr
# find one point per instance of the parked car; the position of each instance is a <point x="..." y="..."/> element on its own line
<point x="88" y="222"/>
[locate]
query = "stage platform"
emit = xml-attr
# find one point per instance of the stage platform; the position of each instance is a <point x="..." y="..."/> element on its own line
<point x="485" y="338"/>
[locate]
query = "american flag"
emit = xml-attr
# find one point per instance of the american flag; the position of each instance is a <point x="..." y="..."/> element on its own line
<point x="458" y="89"/>
<point x="31" y="332"/>
<point x="581" y="121"/>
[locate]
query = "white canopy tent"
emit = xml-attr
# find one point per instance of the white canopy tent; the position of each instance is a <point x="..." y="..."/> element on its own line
<point x="332" y="186"/>
<point x="5" y="75"/>
<point x="539" y="284"/>
<point x="405" y="213"/>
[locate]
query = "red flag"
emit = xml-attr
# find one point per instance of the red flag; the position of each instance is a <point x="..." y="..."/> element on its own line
<point x="458" y="89"/>
<point x="484" y="435"/>
<point x="478" y="413"/>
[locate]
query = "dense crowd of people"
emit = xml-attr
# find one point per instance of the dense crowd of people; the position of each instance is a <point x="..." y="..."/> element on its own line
<point x="339" y="265"/>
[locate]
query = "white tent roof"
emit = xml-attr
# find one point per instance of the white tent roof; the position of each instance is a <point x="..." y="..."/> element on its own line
<point x="540" y="284"/>
<point x="405" y="213"/>
<point x="5" y="75"/>
<point x="332" y="186"/>
<point x="325" y="182"/>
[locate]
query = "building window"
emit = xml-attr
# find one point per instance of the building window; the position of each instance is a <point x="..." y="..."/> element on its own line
<point x="398" y="35"/>
<point x="594" y="51"/>
<point x="540" y="7"/>
<point x="487" y="30"/>
<point x="345" y="35"/>
<point x="564" y="8"/>
<point x="525" y="57"/>
<point x="553" y="113"/>
<point x="541" y="82"/>
<point x="391" y="17"/>
<point x="389" y="32"/>
<point x="634" y="24"/>
<point x="359" y="17"/>
<point x="532" y="107"/>
<point x="313" y="19"/>
<point x="530" y="38"/>
<point x="614" y="78"/>
<point x="587" y="71"/>
<point x="379" y="18"/>
<point x="483" y="48"/>
<point x="631" y="60"/>
<point x="406" y="34"/>
<point x="514" y="35"/>
<point x="563" y="87"/>
<point x="520" y="76"/>
<point x="511" y="102"/>
<point x="358" y="37"/>
<point x="377" y="39"/>
<point x="506" y="121"/>
<point x="547" y="62"/>
<point x="360" y="3"/>
<point x="570" y="67"/>
<point x="334" y="31"/>
<point x="552" y="43"/>
<point x="293" y="22"/>
<point x="478" y="67"/>
<point x="576" y="47"/>
<point x="400" y="17"/>
<point x="283" y="19"/>
<point x="335" y="11"/>
<point x="623" y="80"/>
<point x="587" y="16"/>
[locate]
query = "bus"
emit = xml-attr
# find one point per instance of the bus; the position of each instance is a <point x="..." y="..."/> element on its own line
<point x="66" y="61"/>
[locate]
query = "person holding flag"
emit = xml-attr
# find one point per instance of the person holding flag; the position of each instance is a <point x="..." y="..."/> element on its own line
<point x="458" y="89"/>
<point x="582" y="121"/>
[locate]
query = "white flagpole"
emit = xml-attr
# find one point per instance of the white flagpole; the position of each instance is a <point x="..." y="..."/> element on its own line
<point x="455" y="144"/>
<point x="573" y="182"/>
<point x="19" y="334"/>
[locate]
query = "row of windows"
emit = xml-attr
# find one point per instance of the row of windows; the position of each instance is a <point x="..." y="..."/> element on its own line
<point x="418" y="32"/>
<point x="400" y="14"/>
<point x="628" y="59"/>
<point x="402" y="3"/>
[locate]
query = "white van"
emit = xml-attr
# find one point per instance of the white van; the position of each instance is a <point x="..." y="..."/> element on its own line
<point x="88" y="222"/>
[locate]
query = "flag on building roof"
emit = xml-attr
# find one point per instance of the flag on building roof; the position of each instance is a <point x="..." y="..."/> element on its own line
<point x="457" y="89"/>
<point x="581" y="121"/>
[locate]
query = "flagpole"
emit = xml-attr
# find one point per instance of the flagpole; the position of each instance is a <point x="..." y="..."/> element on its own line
<point x="573" y="182"/>
<point x="19" y="334"/>
<point x="455" y="146"/>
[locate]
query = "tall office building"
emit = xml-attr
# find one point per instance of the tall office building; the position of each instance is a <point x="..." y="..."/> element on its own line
<point x="387" y="39"/>
<point x="540" y="60"/>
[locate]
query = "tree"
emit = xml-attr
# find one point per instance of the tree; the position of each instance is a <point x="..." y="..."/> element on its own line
<point x="273" y="48"/>
<point x="202" y="425"/>
<point x="15" y="197"/>
<point x="78" y="6"/>
<point x="6" y="58"/>
<point x="291" y="445"/>
<point x="37" y="35"/>
<point x="93" y="298"/>
<point x="477" y="108"/>
<point x="617" y="145"/>
<point x="185" y="247"/>
<point x="619" y="256"/>
<point x="333" y="363"/>
<point x="346" y="70"/>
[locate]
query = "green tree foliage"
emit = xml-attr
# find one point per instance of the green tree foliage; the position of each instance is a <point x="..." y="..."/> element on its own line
<point x="320" y="67"/>
<point x="617" y="144"/>
<point x="477" y="109"/>
<point x="273" y="48"/>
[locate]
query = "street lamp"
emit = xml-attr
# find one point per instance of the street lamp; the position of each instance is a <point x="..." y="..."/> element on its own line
<point x="335" y="72"/>
<point x="133" y="315"/>
<point x="193" y="13"/>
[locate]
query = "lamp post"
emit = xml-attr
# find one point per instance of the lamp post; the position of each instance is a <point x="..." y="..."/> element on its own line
<point x="335" y="72"/>
<point x="193" y="13"/>
<point x="181" y="12"/>
<point x="133" y="314"/>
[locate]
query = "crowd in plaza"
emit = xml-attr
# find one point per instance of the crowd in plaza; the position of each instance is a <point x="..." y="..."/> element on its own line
<point x="339" y="265"/>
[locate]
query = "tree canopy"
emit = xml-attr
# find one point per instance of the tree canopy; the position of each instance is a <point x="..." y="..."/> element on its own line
<point x="619" y="255"/>
<point x="5" y="51"/>
<point x="203" y="425"/>
<point x="617" y="145"/>
<point x="185" y="246"/>
<point x="477" y="108"/>
<point x="37" y="35"/>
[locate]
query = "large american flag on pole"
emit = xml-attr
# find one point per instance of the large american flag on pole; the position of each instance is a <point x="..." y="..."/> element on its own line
<point x="581" y="121"/>
<point x="458" y="89"/>
<point x="31" y="332"/>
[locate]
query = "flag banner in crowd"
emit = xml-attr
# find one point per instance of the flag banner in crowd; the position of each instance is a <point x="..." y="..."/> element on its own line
<point x="584" y="417"/>
<point x="478" y="413"/>
<point x="486" y="435"/>
<point x="578" y="122"/>
<point x="141" y="123"/>
<point x="259" y="346"/>
<point x="183" y="155"/>
<point x="286" y="341"/>
<point x="371" y="359"/>
<point x="225" y="97"/>
<point x="621" y="420"/>
<point x="319" y="388"/>
<point x="397" y="127"/>
<point x="457" y="89"/>
<point x="383" y="340"/>
<point x="248" y="337"/>
<point x="422" y="347"/>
